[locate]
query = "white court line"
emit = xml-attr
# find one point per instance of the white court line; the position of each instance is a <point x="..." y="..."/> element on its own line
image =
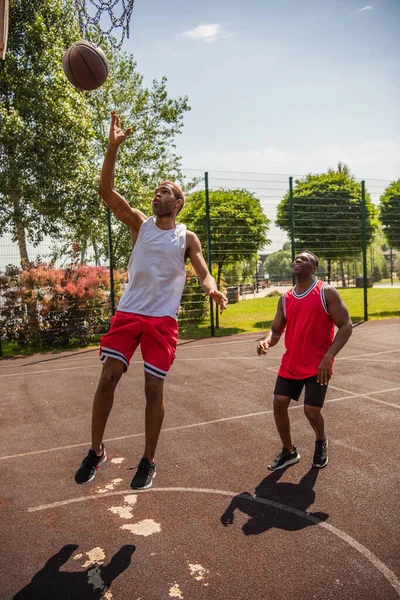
<point x="378" y="360"/>
<point x="98" y="364"/>
<point x="363" y="355"/>
<point x="196" y="359"/>
<point x="369" y="396"/>
<point x="370" y="556"/>
<point x="192" y="425"/>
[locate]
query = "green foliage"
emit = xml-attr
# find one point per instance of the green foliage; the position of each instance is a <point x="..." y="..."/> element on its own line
<point x="376" y="273"/>
<point x="53" y="137"/>
<point x="238" y="225"/>
<point x="195" y="303"/>
<point x="279" y="265"/>
<point x="147" y="157"/>
<point x="327" y="215"/>
<point x="45" y="125"/>
<point x="389" y="210"/>
<point x="69" y="304"/>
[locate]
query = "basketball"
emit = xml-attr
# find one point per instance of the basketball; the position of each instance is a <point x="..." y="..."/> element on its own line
<point x="85" y="66"/>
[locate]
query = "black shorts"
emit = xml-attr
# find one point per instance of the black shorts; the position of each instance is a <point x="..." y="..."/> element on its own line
<point x="314" y="395"/>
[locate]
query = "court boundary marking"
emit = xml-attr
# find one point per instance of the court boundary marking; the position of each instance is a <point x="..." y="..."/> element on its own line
<point x="361" y="549"/>
<point x="187" y="359"/>
<point x="212" y="422"/>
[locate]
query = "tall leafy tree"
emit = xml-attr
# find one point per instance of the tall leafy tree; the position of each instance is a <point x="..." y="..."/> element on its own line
<point x="389" y="212"/>
<point x="45" y="125"/>
<point x="238" y="225"/>
<point x="146" y="158"/>
<point x="328" y="216"/>
<point x="279" y="264"/>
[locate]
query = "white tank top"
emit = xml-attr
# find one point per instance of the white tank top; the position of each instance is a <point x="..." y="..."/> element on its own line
<point x="156" y="271"/>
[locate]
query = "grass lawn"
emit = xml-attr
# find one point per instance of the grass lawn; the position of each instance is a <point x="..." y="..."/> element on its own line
<point x="257" y="314"/>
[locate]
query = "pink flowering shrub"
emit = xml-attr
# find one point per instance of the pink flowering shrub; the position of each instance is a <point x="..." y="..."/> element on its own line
<point x="47" y="307"/>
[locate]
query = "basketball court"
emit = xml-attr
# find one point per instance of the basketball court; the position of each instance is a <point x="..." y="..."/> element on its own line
<point x="217" y="523"/>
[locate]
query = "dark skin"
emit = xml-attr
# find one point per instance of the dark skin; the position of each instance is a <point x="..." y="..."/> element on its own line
<point x="304" y="267"/>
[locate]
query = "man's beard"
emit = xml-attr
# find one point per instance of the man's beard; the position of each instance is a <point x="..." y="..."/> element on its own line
<point x="162" y="211"/>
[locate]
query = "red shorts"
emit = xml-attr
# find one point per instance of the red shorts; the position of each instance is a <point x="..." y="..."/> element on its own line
<point x="157" y="337"/>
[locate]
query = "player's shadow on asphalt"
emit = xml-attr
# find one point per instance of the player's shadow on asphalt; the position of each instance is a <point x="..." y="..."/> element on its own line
<point x="51" y="583"/>
<point x="299" y="496"/>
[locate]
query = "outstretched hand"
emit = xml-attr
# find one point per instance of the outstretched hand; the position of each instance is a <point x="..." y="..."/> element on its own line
<point x="220" y="299"/>
<point x="117" y="136"/>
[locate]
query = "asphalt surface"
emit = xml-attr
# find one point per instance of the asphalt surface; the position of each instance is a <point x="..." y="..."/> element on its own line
<point x="216" y="524"/>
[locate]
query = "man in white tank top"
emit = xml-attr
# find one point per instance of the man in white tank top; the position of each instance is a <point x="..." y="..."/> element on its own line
<point x="148" y="310"/>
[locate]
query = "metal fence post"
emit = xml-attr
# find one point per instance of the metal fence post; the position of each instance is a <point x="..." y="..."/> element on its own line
<point x="391" y="265"/>
<point x="209" y="261"/>
<point x="364" y="248"/>
<point x="291" y="222"/>
<point x="111" y="262"/>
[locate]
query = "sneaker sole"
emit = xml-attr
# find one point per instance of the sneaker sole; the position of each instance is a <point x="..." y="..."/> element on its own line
<point x="145" y="487"/>
<point x="103" y="460"/>
<point x="321" y="466"/>
<point x="289" y="463"/>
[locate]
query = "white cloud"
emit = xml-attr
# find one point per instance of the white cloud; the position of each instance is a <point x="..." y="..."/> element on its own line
<point x="365" y="8"/>
<point x="205" y="33"/>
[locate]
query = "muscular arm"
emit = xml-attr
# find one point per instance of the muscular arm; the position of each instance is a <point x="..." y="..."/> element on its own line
<point x="340" y="316"/>
<point x="207" y="281"/>
<point x="117" y="204"/>
<point x="274" y="335"/>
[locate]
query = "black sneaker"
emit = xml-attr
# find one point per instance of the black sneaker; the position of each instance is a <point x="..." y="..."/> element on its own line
<point x="89" y="466"/>
<point x="144" y="475"/>
<point x="284" y="459"/>
<point x="320" y="459"/>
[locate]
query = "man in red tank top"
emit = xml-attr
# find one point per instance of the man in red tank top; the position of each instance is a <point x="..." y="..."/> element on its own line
<point x="307" y="313"/>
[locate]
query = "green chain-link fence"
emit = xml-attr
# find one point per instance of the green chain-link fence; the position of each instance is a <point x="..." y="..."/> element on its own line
<point x="250" y="226"/>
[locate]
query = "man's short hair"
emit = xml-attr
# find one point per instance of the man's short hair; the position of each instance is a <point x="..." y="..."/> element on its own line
<point x="313" y="255"/>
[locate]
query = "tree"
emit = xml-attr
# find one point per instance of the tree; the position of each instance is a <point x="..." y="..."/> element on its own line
<point x="237" y="222"/>
<point x="145" y="159"/>
<point x="53" y="138"/>
<point x="376" y="273"/>
<point x="328" y="216"/>
<point x="279" y="265"/>
<point x="389" y="212"/>
<point x="45" y="125"/>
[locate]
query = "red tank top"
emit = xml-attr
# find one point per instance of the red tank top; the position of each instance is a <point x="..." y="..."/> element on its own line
<point x="309" y="331"/>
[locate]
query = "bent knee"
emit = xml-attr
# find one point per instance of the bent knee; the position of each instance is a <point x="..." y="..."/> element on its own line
<point x="281" y="402"/>
<point x="153" y="385"/>
<point x="312" y="412"/>
<point x="112" y="372"/>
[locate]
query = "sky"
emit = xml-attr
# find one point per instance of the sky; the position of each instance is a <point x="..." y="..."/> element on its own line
<point x="278" y="86"/>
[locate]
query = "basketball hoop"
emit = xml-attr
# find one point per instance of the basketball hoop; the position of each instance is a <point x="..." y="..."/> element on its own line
<point x="91" y="11"/>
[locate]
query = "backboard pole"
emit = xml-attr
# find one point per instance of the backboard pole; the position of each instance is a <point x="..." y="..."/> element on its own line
<point x="3" y="28"/>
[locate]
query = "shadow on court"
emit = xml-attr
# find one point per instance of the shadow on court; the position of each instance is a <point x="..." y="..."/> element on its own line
<point x="262" y="517"/>
<point x="91" y="584"/>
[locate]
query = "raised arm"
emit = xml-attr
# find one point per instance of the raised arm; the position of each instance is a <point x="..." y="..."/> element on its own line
<point x="340" y="316"/>
<point x="117" y="204"/>
<point x="207" y="281"/>
<point x="274" y="335"/>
